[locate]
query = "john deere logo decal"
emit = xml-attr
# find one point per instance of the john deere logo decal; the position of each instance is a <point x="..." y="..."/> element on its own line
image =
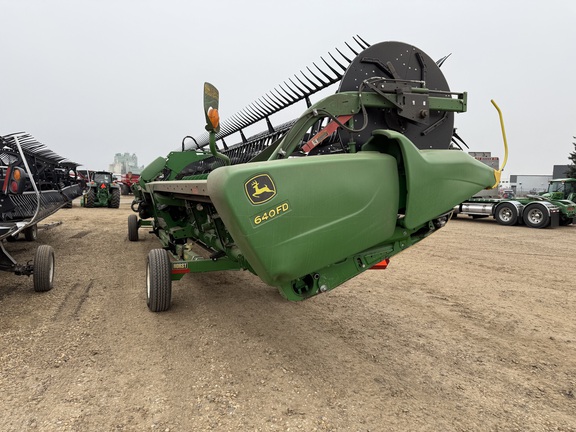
<point x="260" y="189"/>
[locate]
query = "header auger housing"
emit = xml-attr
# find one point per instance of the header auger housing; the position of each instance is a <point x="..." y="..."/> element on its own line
<point x="360" y="176"/>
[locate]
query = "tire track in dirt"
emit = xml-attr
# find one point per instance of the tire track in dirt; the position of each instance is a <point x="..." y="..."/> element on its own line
<point x="72" y="302"/>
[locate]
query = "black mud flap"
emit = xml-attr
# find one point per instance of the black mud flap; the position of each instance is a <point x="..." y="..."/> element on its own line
<point x="554" y="219"/>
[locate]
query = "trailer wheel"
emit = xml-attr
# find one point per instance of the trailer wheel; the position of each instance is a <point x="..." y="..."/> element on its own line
<point x="506" y="214"/>
<point x="535" y="216"/>
<point x="133" y="227"/>
<point x="158" y="281"/>
<point x="43" y="268"/>
<point x="31" y="233"/>
<point x="565" y="221"/>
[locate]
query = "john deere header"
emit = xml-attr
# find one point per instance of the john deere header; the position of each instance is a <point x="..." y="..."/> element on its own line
<point x="306" y="205"/>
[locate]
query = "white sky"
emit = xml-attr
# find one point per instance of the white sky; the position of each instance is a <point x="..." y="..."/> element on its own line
<point x="93" y="78"/>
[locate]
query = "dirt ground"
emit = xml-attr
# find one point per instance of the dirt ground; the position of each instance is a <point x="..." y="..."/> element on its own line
<point x="474" y="329"/>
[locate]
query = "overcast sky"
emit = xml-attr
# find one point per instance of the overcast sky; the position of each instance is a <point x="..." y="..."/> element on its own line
<point x="93" y="78"/>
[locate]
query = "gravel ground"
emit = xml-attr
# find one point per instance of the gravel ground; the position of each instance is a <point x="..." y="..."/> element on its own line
<point x="472" y="329"/>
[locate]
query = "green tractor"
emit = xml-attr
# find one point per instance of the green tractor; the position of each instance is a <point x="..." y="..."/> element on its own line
<point x="306" y="205"/>
<point x="101" y="191"/>
<point x="562" y="193"/>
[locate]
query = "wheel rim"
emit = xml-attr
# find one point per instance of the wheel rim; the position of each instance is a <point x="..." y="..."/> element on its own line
<point x="505" y="215"/>
<point x="51" y="270"/>
<point x="148" y="284"/>
<point x="535" y="216"/>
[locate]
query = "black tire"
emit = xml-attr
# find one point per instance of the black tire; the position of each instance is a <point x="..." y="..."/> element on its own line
<point x="536" y="216"/>
<point x="43" y="268"/>
<point x="158" y="281"/>
<point x="31" y="233"/>
<point x="133" y="228"/>
<point x="11" y="239"/>
<point x="89" y="198"/>
<point x="114" y="198"/>
<point x="125" y="189"/>
<point x="506" y="214"/>
<point x="565" y="221"/>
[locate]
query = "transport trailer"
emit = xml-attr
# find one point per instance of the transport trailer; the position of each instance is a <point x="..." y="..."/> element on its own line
<point x="552" y="208"/>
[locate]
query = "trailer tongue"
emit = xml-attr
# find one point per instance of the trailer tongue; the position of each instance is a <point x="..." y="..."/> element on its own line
<point x="360" y="176"/>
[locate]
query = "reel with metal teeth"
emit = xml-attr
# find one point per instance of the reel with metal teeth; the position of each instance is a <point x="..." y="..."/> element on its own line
<point x="405" y="75"/>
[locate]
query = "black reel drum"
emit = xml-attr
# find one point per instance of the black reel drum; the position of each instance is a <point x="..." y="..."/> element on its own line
<point x="401" y="66"/>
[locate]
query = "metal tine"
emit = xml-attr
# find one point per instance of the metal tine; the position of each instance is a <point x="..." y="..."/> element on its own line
<point x="364" y="44"/>
<point x="266" y="104"/>
<point x="351" y="49"/>
<point x="328" y="77"/>
<point x="441" y="61"/>
<point x="334" y="71"/>
<point x="282" y="97"/>
<point x="262" y="108"/>
<point x="253" y="118"/>
<point x="291" y="90"/>
<point x="279" y="99"/>
<point x="300" y="81"/>
<point x="274" y="100"/>
<point x="317" y="87"/>
<point x="257" y="109"/>
<point x="338" y="63"/>
<point x="240" y="122"/>
<point x="251" y="110"/>
<point x="270" y="106"/>
<point x="346" y="58"/>
<point x="298" y="87"/>
<point x="230" y="123"/>
<point x="235" y="120"/>
<point x="250" y="116"/>
<point x="242" y="116"/>
<point x="289" y="95"/>
<point x="271" y="101"/>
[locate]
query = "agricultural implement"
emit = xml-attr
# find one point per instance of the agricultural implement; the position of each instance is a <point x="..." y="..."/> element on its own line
<point x="126" y="182"/>
<point x="306" y="205"/>
<point x="36" y="182"/>
<point x="101" y="191"/>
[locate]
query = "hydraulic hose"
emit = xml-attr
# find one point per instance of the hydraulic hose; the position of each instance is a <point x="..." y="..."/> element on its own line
<point x="498" y="173"/>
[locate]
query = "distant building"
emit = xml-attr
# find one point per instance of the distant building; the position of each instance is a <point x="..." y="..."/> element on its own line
<point x="560" y="171"/>
<point x="124" y="163"/>
<point x="529" y="184"/>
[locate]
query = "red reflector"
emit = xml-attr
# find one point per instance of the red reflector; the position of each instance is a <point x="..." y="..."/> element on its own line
<point x="381" y="265"/>
<point x="180" y="271"/>
<point x="102" y="186"/>
<point x="14" y="187"/>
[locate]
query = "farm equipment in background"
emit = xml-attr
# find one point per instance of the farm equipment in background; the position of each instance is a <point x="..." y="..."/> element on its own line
<point x="101" y="191"/>
<point x="126" y="182"/>
<point x="306" y="205"/>
<point x="36" y="182"/>
<point x="550" y="209"/>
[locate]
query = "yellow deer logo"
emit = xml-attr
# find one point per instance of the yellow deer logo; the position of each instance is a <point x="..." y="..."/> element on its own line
<point x="260" y="189"/>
